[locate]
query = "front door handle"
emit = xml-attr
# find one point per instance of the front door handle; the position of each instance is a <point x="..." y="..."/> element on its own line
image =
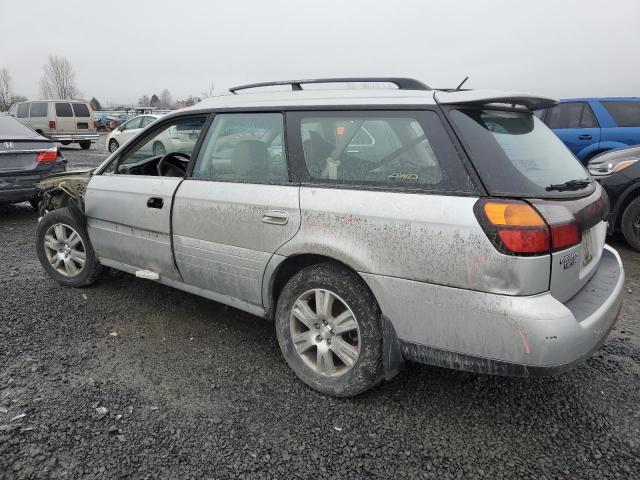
<point x="155" y="202"/>
<point x="585" y="136"/>
<point x="275" y="217"/>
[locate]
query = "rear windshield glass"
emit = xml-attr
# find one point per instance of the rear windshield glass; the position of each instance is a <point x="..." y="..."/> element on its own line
<point x="80" y="110"/>
<point x="38" y="109"/>
<point x="517" y="155"/>
<point x="63" y="110"/>
<point x="625" y="114"/>
<point x="9" y="127"/>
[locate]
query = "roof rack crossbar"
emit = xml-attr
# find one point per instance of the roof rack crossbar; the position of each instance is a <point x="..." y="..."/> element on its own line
<point x="401" y="83"/>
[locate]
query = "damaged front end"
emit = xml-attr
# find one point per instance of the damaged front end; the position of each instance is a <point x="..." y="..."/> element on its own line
<point x="64" y="190"/>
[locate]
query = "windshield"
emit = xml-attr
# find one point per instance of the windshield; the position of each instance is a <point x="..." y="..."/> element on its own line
<point x="516" y="154"/>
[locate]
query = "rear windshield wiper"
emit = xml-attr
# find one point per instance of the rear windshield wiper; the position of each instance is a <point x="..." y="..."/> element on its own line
<point x="570" y="185"/>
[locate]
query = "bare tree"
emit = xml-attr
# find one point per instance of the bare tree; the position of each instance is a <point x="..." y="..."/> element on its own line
<point x="165" y="99"/>
<point x="209" y="92"/>
<point x="6" y="90"/>
<point x="59" y="80"/>
<point x="144" y="101"/>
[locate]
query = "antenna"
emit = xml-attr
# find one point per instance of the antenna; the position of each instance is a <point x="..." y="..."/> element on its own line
<point x="462" y="83"/>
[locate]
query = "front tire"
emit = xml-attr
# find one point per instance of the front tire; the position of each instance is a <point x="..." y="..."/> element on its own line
<point x="328" y="328"/>
<point x="85" y="144"/>
<point x="64" y="250"/>
<point x="113" y="145"/>
<point x="631" y="224"/>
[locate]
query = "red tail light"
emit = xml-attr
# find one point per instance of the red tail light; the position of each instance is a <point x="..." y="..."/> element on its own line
<point x="95" y="126"/>
<point x="47" y="156"/>
<point x="517" y="228"/>
<point x="52" y="124"/>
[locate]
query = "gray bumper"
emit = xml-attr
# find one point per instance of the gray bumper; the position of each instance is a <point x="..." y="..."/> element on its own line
<point x="73" y="137"/>
<point x="509" y="335"/>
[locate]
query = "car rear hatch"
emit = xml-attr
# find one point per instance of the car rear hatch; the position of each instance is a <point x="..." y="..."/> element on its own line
<point x="83" y="117"/>
<point x="541" y="201"/>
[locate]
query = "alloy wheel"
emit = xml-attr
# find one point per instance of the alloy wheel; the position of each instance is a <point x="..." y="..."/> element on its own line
<point x="64" y="249"/>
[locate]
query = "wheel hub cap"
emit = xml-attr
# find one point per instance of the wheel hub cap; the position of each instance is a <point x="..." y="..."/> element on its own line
<point x="64" y="249"/>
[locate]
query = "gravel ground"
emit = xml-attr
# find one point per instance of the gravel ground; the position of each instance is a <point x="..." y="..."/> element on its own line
<point x="131" y="379"/>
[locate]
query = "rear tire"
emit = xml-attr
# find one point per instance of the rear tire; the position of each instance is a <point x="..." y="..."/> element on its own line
<point x="66" y="142"/>
<point x="85" y="144"/>
<point x="336" y="349"/>
<point x="113" y="145"/>
<point x="64" y="250"/>
<point x="631" y="224"/>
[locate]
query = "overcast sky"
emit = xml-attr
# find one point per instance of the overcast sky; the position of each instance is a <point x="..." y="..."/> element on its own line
<point x="121" y="50"/>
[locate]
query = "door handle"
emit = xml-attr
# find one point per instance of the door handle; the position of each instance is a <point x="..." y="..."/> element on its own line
<point x="155" y="202"/>
<point x="275" y="217"/>
<point x="585" y="136"/>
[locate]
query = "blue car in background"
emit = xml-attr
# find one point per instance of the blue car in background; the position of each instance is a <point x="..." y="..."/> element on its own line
<point x="590" y="126"/>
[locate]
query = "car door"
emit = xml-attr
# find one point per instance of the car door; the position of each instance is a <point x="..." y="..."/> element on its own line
<point x="576" y="125"/>
<point x="128" y="130"/>
<point x="128" y="206"/>
<point x="65" y="121"/>
<point x="237" y="207"/>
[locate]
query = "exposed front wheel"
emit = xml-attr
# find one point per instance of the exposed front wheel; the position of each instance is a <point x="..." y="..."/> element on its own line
<point x="329" y="331"/>
<point x="64" y="250"/>
<point x="85" y="144"/>
<point x="631" y="224"/>
<point x="113" y="145"/>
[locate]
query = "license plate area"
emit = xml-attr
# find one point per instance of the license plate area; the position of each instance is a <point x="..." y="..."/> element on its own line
<point x="83" y="126"/>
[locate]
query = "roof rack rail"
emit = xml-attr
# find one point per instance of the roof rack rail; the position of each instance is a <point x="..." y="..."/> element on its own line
<point x="401" y="83"/>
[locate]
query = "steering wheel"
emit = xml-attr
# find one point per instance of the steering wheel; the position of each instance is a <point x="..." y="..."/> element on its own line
<point x="165" y="157"/>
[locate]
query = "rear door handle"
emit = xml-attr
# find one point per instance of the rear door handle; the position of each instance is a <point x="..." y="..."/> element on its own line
<point x="585" y="136"/>
<point x="155" y="202"/>
<point x="275" y="217"/>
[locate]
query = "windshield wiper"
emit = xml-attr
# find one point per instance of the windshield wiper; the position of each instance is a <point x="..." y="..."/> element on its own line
<point x="570" y="185"/>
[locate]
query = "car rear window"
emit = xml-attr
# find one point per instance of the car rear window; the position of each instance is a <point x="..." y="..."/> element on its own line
<point x="9" y="127"/>
<point x="625" y="114"/>
<point x="388" y="149"/>
<point x="63" y="110"/>
<point x="38" y="109"/>
<point x="80" y="110"/>
<point x="516" y="154"/>
<point x="571" y="115"/>
<point x="23" y="110"/>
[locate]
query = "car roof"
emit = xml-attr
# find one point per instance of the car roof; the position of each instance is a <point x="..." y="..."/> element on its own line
<point x="367" y="96"/>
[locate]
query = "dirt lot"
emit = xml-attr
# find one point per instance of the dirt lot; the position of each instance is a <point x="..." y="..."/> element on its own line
<point x="131" y="379"/>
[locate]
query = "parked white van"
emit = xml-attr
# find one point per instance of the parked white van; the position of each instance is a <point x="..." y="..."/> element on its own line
<point x="64" y="121"/>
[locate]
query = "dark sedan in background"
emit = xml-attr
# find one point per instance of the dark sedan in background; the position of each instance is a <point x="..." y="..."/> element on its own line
<point x="618" y="172"/>
<point x="26" y="157"/>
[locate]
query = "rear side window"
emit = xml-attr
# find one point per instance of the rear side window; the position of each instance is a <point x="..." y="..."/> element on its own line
<point x="571" y="115"/>
<point x="63" y="110"/>
<point x="80" y="110"/>
<point x="390" y="149"/>
<point x="23" y="110"/>
<point x="515" y="154"/>
<point x="244" y="147"/>
<point x="39" y="109"/>
<point x="625" y="114"/>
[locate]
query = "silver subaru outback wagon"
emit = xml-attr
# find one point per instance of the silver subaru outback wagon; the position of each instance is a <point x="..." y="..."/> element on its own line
<point x="374" y="226"/>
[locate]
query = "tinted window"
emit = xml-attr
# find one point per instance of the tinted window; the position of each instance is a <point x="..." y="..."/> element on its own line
<point x="9" y="127"/>
<point x="411" y="149"/>
<point x="180" y="137"/>
<point x="515" y="153"/>
<point x="625" y="114"/>
<point x="243" y="147"/>
<point x="135" y="123"/>
<point x="63" y="110"/>
<point x="571" y="115"/>
<point x="23" y="110"/>
<point x="38" y="109"/>
<point x="80" y="110"/>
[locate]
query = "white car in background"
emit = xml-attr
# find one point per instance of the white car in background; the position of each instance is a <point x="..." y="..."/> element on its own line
<point x="128" y="130"/>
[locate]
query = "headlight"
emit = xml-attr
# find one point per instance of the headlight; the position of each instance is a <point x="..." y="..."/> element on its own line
<point x="614" y="166"/>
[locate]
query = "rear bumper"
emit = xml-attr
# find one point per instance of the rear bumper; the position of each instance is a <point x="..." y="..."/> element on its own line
<point x="73" y="137"/>
<point x="22" y="187"/>
<point x="499" y="334"/>
<point x="16" y="195"/>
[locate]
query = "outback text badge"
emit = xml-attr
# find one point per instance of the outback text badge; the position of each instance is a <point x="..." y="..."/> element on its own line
<point x="569" y="260"/>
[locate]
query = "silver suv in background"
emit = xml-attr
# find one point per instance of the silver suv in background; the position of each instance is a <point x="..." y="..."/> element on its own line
<point x="373" y="226"/>
<point x="64" y="121"/>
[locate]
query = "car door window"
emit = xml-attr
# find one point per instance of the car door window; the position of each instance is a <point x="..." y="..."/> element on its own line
<point x="625" y="114"/>
<point x="23" y="110"/>
<point x="131" y="124"/>
<point x="63" y="110"/>
<point x="175" y="141"/>
<point x="38" y="109"/>
<point x="80" y="110"/>
<point x="244" y="147"/>
<point x="571" y="115"/>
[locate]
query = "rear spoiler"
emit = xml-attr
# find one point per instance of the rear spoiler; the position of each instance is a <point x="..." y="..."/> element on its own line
<point x="487" y="97"/>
